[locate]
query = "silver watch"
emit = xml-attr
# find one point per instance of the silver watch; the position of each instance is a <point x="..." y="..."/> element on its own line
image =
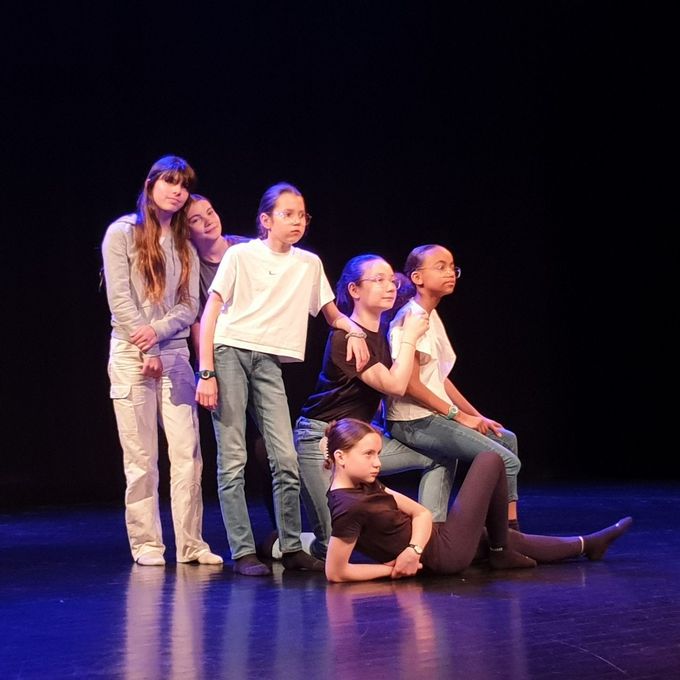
<point x="453" y="412"/>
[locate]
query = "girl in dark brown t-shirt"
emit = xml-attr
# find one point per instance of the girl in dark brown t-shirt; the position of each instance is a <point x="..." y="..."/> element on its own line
<point x="399" y="534"/>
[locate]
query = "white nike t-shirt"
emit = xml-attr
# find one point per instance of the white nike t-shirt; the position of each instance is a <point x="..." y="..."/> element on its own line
<point x="268" y="298"/>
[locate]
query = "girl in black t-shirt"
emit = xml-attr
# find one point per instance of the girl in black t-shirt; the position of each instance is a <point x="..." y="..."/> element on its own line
<point x="399" y="534"/>
<point x="366" y="289"/>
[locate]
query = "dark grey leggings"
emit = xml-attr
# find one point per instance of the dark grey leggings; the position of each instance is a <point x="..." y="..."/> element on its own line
<point x="483" y="502"/>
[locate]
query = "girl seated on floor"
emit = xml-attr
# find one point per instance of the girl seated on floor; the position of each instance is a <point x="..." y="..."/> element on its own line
<point x="399" y="534"/>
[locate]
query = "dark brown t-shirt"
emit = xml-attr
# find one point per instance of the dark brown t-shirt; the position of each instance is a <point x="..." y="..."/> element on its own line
<point x="369" y="514"/>
<point x="339" y="391"/>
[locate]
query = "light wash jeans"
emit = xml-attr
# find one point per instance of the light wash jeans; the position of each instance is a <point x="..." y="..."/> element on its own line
<point x="445" y="440"/>
<point x="433" y="492"/>
<point x="141" y="404"/>
<point x="252" y="380"/>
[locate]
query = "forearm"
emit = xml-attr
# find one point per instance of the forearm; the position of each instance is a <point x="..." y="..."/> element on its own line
<point x="418" y="392"/>
<point x="178" y="317"/>
<point x="392" y="381"/>
<point x="195" y="334"/>
<point x="336" y="319"/>
<point x="358" y="572"/>
<point x="182" y="314"/>
<point x="344" y="323"/>
<point x="402" y="367"/>
<point x="459" y="400"/>
<point x="207" y="332"/>
<point x="421" y="528"/>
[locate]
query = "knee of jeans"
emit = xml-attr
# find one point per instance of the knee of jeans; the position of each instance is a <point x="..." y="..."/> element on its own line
<point x="513" y="465"/>
<point x="286" y="464"/>
<point x="510" y="440"/>
<point x="316" y="482"/>
<point x="311" y="467"/>
<point x="230" y="467"/>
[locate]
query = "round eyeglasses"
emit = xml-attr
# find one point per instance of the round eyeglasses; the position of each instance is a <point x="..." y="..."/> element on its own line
<point x="443" y="268"/>
<point x="291" y="217"/>
<point x="384" y="281"/>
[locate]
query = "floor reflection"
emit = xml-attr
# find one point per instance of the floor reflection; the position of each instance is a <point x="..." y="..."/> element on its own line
<point x="74" y="608"/>
<point x="363" y="617"/>
<point x="468" y="627"/>
<point x="164" y="617"/>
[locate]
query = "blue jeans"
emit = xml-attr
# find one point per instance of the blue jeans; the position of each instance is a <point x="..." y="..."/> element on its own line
<point x="252" y="381"/>
<point x="446" y="440"/>
<point x="433" y="492"/>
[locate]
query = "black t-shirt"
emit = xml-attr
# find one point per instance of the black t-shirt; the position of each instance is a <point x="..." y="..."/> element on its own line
<point x="207" y="273"/>
<point x="369" y="514"/>
<point x="339" y="392"/>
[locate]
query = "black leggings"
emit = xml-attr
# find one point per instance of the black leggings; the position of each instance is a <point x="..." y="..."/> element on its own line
<point x="483" y="502"/>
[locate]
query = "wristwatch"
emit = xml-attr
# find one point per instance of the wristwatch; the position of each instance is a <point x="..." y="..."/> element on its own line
<point x="417" y="548"/>
<point x="205" y="374"/>
<point x="453" y="412"/>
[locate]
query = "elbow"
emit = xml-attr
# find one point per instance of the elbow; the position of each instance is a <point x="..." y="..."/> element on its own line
<point x="394" y="389"/>
<point x="331" y="576"/>
<point x="334" y="575"/>
<point x="401" y="392"/>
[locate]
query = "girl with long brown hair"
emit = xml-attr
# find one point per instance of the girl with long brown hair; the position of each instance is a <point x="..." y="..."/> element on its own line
<point x="151" y="273"/>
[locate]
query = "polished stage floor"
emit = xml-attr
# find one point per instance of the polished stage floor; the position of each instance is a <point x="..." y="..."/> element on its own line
<point x="72" y="605"/>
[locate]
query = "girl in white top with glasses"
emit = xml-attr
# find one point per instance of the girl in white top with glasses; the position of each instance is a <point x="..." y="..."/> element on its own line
<point x="434" y="417"/>
<point x="255" y="319"/>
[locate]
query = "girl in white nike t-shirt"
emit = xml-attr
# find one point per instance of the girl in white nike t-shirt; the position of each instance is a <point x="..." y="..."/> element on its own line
<point x="255" y="319"/>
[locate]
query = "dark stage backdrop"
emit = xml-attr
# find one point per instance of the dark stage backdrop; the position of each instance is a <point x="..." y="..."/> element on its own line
<point x="511" y="135"/>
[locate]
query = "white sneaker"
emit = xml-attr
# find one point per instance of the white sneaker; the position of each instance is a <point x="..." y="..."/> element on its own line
<point x="276" y="550"/>
<point x="151" y="559"/>
<point x="207" y="557"/>
<point x="306" y="538"/>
